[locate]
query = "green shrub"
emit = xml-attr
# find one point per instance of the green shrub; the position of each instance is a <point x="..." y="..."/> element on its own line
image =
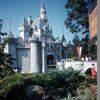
<point x="7" y="71"/>
<point x="91" y="80"/>
<point x="55" y="82"/>
<point x="16" y="84"/>
<point x="65" y="81"/>
<point x="82" y="95"/>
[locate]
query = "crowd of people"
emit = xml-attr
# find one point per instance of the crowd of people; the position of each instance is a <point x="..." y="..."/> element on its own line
<point x="81" y="59"/>
<point x="86" y="58"/>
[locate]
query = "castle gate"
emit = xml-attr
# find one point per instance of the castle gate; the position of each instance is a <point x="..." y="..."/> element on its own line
<point x="50" y="61"/>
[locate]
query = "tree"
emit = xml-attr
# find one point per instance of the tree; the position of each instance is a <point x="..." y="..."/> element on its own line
<point x="6" y="60"/>
<point x="71" y="50"/>
<point x="92" y="48"/>
<point x="77" y="16"/>
<point x="84" y="45"/>
<point x="76" y="41"/>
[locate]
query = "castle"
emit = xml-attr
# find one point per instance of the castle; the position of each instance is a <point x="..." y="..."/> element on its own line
<point x="36" y="50"/>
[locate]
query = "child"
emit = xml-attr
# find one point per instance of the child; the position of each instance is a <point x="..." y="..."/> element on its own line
<point x="93" y="71"/>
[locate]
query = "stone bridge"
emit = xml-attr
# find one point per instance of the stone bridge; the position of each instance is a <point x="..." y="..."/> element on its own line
<point x="78" y="65"/>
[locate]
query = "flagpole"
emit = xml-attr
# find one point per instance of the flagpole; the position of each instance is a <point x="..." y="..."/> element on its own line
<point x="10" y="24"/>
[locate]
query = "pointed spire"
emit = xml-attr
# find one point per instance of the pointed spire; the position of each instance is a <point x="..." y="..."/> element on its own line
<point x="42" y="11"/>
<point x="9" y="34"/>
<point x="63" y="38"/>
<point x="43" y="6"/>
<point x="30" y="20"/>
<point x="24" y="22"/>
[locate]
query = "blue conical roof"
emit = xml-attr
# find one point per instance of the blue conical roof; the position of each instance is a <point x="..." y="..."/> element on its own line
<point x="24" y="22"/>
<point x="63" y="38"/>
<point x="42" y="6"/>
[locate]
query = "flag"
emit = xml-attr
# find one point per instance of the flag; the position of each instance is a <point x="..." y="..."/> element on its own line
<point x="63" y="29"/>
<point x="10" y="21"/>
<point x="79" y="50"/>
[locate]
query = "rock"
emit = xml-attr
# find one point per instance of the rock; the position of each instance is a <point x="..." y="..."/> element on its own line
<point x="34" y="92"/>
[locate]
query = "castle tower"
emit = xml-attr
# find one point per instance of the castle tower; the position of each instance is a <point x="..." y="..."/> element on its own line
<point x="42" y="11"/>
<point x="36" y="57"/>
<point x="11" y="47"/>
<point x="24" y="29"/>
<point x="64" y="53"/>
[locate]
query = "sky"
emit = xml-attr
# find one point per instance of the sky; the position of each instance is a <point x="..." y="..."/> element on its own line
<point x="17" y="9"/>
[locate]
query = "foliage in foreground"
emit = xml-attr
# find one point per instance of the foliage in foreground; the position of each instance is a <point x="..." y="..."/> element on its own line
<point x="87" y="91"/>
<point x="83" y="94"/>
<point x="91" y="80"/>
<point x="55" y="82"/>
<point x="6" y="60"/>
<point x="16" y="84"/>
<point x="65" y="81"/>
<point x="5" y="65"/>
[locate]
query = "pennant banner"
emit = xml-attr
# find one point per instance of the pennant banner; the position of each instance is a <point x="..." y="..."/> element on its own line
<point x="79" y="50"/>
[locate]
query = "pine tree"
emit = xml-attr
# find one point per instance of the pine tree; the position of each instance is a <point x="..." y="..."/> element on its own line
<point x="76" y="41"/>
<point x="77" y="16"/>
<point x="84" y="44"/>
<point x="65" y="81"/>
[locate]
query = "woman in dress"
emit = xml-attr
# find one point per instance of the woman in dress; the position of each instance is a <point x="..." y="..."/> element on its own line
<point x="94" y="73"/>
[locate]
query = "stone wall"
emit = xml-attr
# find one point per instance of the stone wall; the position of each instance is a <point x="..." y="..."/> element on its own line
<point x="78" y="65"/>
<point x="23" y="59"/>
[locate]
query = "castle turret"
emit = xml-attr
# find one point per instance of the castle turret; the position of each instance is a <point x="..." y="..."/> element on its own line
<point x="10" y="34"/>
<point x="63" y="38"/>
<point x="36" y="57"/>
<point x="64" y="53"/>
<point x="30" y="20"/>
<point x="10" y="47"/>
<point x="42" y="11"/>
<point x="24" y="29"/>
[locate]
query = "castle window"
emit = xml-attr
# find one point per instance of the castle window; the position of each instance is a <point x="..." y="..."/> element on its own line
<point x="51" y="47"/>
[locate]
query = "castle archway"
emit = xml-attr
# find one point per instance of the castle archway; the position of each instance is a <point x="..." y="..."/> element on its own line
<point x="88" y="71"/>
<point x="50" y="61"/>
